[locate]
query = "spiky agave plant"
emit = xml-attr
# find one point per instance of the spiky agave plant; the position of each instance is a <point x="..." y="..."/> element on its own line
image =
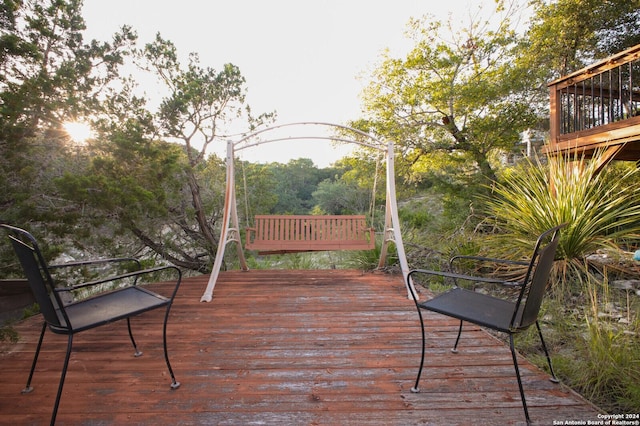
<point x="599" y="207"/>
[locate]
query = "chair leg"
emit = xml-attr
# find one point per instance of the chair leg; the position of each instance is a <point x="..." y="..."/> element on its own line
<point x="515" y="365"/>
<point x="553" y="378"/>
<point x="174" y="383"/>
<point x="415" y="388"/>
<point x="62" y="377"/>
<point x="28" y="388"/>
<point x="137" y="351"/>
<point x="455" y="346"/>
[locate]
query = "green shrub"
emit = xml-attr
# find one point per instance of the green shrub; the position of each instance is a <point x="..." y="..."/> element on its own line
<point x="605" y="365"/>
<point x="8" y="334"/>
<point x="600" y="209"/>
<point x="367" y="260"/>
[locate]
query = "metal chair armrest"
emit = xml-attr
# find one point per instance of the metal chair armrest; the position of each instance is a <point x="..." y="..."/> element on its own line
<point x="134" y="274"/>
<point x="95" y="262"/>
<point x="487" y="259"/>
<point x="466" y="277"/>
<point x="482" y="259"/>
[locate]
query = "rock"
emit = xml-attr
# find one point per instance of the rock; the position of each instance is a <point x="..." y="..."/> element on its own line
<point x="626" y="284"/>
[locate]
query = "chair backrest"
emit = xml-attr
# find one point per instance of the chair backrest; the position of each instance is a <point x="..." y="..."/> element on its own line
<point x="38" y="276"/>
<point x="535" y="283"/>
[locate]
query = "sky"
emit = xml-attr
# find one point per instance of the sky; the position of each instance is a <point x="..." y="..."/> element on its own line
<point x="306" y="60"/>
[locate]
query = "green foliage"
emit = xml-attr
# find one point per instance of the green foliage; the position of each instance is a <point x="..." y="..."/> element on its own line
<point x="366" y="169"/>
<point x="49" y="75"/>
<point x="30" y="311"/>
<point x="600" y="208"/>
<point x="48" y="71"/>
<point x="201" y="100"/>
<point x="298" y="261"/>
<point x="595" y="352"/>
<point x="123" y="185"/>
<point x="608" y="372"/>
<point x="365" y="260"/>
<point x="8" y="334"/>
<point x="416" y="219"/>
<point x="368" y="260"/>
<point x="454" y="100"/>
<point x="566" y="35"/>
<point x="340" y="197"/>
<point x="296" y="182"/>
<point x="255" y="189"/>
<point x="141" y="184"/>
<point x="298" y="187"/>
<point x="201" y="105"/>
<point x="436" y="226"/>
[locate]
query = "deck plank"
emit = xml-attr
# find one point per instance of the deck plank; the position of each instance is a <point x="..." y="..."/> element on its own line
<point x="325" y="347"/>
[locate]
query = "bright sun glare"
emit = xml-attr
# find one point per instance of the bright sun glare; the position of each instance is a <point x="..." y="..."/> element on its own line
<point x="78" y="131"/>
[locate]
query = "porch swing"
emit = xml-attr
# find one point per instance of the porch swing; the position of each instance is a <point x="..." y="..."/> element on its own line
<point x="281" y="234"/>
<point x="276" y="234"/>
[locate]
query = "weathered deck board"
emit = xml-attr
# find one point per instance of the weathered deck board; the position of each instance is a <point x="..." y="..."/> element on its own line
<point x="319" y="347"/>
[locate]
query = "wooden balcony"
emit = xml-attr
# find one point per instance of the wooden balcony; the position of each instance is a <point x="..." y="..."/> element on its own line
<point x="598" y="108"/>
<point x="324" y="347"/>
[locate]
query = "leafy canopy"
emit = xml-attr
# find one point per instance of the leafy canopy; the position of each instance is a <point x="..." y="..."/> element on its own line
<point x="462" y="96"/>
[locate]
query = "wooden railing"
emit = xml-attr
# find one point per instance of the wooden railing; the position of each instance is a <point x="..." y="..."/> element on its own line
<point x="295" y="233"/>
<point x="598" y="107"/>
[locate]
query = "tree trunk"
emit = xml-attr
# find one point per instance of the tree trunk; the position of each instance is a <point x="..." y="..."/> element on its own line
<point x="200" y="214"/>
<point x="192" y="264"/>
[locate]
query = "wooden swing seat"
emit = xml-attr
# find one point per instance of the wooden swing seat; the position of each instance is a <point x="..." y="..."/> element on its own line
<point x="277" y="234"/>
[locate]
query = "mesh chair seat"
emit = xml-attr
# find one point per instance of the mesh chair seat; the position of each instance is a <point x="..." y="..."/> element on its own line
<point x="109" y="307"/>
<point x="470" y="306"/>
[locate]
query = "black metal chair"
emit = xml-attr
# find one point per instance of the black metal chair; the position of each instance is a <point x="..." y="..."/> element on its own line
<point x="500" y="314"/>
<point x="104" y="307"/>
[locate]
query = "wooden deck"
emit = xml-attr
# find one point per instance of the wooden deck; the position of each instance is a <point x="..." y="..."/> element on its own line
<point x="323" y="347"/>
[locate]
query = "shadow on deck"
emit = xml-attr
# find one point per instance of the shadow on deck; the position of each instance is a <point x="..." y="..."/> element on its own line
<point x="325" y="347"/>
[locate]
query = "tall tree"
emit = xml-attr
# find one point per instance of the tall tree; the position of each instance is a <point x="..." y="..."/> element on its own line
<point x="296" y="182"/>
<point x="341" y="197"/>
<point x="200" y="107"/>
<point x="48" y="75"/>
<point x="255" y="190"/>
<point x="457" y="95"/>
<point x="566" y="35"/>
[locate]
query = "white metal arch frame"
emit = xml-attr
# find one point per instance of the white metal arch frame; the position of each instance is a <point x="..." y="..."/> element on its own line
<point x="230" y="224"/>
